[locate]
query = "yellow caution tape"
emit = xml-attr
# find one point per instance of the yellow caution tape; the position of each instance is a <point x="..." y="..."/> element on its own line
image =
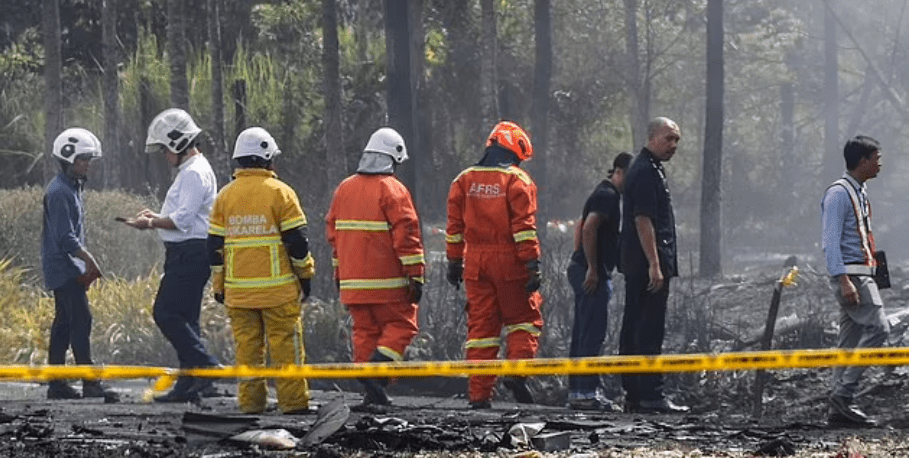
<point x="524" y="367"/>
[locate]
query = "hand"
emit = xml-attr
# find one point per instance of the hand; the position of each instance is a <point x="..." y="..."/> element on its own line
<point x="656" y="278"/>
<point x="536" y="278"/>
<point x="306" y="285"/>
<point x="455" y="272"/>
<point x="847" y="289"/>
<point x="219" y="297"/>
<point x="414" y="290"/>
<point x="591" y="281"/>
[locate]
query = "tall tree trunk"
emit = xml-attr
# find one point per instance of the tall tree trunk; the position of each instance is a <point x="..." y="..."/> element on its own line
<point x="331" y="85"/>
<point x="400" y="88"/>
<point x="489" y="108"/>
<point x="711" y="195"/>
<point x="53" y="83"/>
<point x="542" y="81"/>
<point x="832" y="160"/>
<point x="422" y="122"/>
<point x="112" y="150"/>
<point x="791" y="168"/>
<point x="176" y="50"/>
<point x="220" y="156"/>
<point x="640" y="100"/>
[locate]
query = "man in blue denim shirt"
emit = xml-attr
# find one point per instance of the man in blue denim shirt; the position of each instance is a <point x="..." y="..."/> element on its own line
<point x="849" y="251"/>
<point x="69" y="269"/>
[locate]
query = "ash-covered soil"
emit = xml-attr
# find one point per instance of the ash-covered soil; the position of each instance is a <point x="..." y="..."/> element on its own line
<point x="430" y="417"/>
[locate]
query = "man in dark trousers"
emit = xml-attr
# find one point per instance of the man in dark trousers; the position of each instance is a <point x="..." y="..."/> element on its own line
<point x="596" y="252"/>
<point x="69" y="269"/>
<point x="648" y="260"/>
<point x="182" y="225"/>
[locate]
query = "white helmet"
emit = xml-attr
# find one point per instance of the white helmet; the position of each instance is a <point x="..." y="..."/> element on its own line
<point x="387" y="141"/>
<point x="173" y="129"/>
<point x="76" y="142"/>
<point x="256" y="141"/>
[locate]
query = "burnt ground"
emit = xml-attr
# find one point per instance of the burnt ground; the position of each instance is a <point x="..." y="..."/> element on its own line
<point x="794" y="423"/>
<point x="430" y="417"/>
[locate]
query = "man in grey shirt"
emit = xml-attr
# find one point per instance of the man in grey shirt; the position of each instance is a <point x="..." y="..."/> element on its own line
<point x="849" y="252"/>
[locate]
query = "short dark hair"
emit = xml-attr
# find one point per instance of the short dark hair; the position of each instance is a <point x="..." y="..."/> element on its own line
<point x="252" y="162"/>
<point x="858" y="147"/>
<point x="621" y="161"/>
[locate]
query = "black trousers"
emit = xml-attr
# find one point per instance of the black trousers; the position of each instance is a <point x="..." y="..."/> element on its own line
<point x="179" y="301"/>
<point x="72" y="325"/>
<point x="643" y="328"/>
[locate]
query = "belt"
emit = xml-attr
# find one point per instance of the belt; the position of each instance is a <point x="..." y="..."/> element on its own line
<point x="860" y="269"/>
<point x="186" y="243"/>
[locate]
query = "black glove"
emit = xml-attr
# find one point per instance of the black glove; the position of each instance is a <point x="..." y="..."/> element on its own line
<point x="414" y="291"/>
<point x="219" y="297"/>
<point x="455" y="272"/>
<point x="306" y="285"/>
<point x="536" y="278"/>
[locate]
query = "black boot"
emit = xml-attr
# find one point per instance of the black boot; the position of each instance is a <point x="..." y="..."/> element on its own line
<point x="375" y="387"/>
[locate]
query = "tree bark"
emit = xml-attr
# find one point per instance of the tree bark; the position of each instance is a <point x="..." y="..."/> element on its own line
<point x="53" y="83"/>
<point x="220" y="154"/>
<point x="489" y="107"/>
<point x="331" y="85"/>
<point x="711" y="195"/>
<point x="113" y="161"/>
<point x="400" y="88"/>
<point x="542" y="81"/>
<point x="176" y="42"/>
<point x="640" y="100"/>
<point x="832" y="160"/>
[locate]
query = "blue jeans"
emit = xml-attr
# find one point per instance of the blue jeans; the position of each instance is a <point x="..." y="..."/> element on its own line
<point x="590" y="323"/>
<point x="179" y="301"/>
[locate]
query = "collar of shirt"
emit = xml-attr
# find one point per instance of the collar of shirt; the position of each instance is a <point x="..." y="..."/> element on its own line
<point x="251" y="172"/>
<point x="189" y="161"/>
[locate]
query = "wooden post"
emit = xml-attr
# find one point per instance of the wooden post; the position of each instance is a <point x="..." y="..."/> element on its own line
<point x="760" y="377"/>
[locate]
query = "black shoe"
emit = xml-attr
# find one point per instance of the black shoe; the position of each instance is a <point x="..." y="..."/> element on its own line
<point x="205" y="388"/>
<point x="176" y="396"/>
<point x="660" y="406"/>
<point x="597" y="403"/>
<point x="61" y="390"/>
<point x="518" y="387"/>
<point x="843" y="411"/>
<point x="480" y="405"/>
<point x="96" y="389"/>
<point x="375" y="392"/>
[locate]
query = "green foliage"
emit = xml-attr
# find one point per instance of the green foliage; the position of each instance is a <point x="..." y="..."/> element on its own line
<point x="120" y="250"/>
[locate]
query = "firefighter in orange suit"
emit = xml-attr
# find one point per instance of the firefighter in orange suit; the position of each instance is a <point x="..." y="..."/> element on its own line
<point x="375" y="236"/>
<point x="260" y="265"/>
<point x="492" y="246"/>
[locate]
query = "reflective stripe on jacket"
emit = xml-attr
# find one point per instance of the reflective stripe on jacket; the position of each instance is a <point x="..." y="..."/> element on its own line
<point x="492" y="208"/>
<point x="375" y="236"/>
<point x="251" y="213"/>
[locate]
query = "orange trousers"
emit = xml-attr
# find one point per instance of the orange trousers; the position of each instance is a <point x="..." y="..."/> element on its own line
<point x="387" y="328"/>
<point x="496" y="301"/>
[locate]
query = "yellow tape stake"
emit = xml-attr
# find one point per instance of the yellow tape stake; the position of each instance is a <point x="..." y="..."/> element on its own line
<point x="527" y="367"/>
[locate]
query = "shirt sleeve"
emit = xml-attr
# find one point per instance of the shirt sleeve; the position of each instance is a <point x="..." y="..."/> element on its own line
<point x="522" y="200"/>
<point x="59" y="224"/>
<point x="406" y="236"/>
<point x="192" y="196"/>
<point x="833" y="213"/>
<point x="644" y="190"/>
<point x="454" y="231"/>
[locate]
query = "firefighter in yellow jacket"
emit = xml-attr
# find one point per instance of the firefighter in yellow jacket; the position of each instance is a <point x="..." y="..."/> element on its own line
<point x="260" y="265"/>
<point x="374" y="232"/>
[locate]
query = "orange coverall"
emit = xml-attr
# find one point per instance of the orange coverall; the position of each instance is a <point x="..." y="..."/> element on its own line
<point x="492" y="227"/>
<point x="377" y="248"/>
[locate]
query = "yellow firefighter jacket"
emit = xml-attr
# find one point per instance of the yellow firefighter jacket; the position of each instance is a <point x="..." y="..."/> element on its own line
<point x="251" y="213"/>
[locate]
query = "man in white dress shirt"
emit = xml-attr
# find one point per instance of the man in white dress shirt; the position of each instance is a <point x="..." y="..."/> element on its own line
<point x="182" y="225"/>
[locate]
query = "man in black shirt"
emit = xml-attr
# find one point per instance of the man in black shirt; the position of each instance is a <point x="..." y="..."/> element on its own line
<point x="596" y="250"/>
<point x="648" y="260"/>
